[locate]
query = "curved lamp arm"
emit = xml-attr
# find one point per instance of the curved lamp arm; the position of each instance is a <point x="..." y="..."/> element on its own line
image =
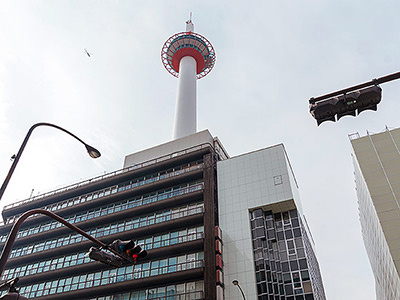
<point x="93" y="152"/>
<point x="236" y="282"/>
<point x="14" y="231"/>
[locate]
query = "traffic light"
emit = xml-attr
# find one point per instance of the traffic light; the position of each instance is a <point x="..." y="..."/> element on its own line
<point x="13" y="296"/>
<point x="105" y="257"/>
<point x="129" y="250"/>
<point x="12" y="293"/>
<point x="350" y="104"/>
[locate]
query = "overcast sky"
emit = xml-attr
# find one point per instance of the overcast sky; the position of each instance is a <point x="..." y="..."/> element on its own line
<point x="272" y="56"/>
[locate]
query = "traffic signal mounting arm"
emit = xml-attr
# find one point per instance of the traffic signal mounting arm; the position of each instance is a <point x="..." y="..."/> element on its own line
<point x="349" y="101"/>
<point x="350" y="104"/>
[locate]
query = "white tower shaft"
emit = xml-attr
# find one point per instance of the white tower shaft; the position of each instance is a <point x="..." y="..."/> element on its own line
<point x="185" y="109"/>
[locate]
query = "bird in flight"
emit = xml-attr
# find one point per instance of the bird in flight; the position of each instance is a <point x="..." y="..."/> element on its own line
<point x="88" y="53"/>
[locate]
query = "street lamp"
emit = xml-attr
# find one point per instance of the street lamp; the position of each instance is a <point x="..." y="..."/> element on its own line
<point x="93" y="152"/>
<point x="349" y="101"/>
<point x="236" y="282"/>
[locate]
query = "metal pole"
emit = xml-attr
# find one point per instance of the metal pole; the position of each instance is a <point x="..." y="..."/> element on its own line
<point x="21" y="149"/>
<point x="380" y="80"/>
<point x="14" y="231"/>
<point x="235" y="282"/>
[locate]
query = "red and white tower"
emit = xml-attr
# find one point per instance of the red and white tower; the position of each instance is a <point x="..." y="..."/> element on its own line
<point x="188" y="56"/>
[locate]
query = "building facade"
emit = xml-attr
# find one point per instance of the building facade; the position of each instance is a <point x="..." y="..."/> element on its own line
<point x="268" y="247"/>
<point x="164" y="199"/>
<point x="204" y="218"/>
<point x="377" y="174"/>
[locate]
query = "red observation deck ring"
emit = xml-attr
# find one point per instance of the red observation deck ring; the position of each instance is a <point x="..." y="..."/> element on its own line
<point x="188" y="44"/>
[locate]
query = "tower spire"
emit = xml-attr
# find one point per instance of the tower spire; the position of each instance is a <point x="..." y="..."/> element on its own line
<point x="189" y="24"/>
<point x="188" y="56"/>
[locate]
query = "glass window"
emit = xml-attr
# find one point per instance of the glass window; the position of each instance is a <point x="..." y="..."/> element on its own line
<point x="294" y="266"/>
<point x="288" y="289"/>
<point x="305" y="275"/>
<point x="285" y="267"/>
<point x="286" y="278"/>
<point x="296" y="276"/>
<point x="303" y="263"/>
<point x="297" y="232"/>
<point x="301" y="253"/>
<point x="289" y="234"/>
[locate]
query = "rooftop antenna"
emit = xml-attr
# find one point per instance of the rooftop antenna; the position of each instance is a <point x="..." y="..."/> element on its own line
<point x="189" y="24"/>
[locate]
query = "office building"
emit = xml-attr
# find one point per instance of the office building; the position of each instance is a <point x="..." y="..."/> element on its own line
<point x="377" y="174"/>
<point x="164" y="199"/>
<point x="268" y="247"/>
<point x="174" y="200"/>
<point x="204" y="218"/>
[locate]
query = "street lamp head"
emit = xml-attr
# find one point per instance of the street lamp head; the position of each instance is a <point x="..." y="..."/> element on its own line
<point x="93" y="152"/>
<point x="235" y="282"/>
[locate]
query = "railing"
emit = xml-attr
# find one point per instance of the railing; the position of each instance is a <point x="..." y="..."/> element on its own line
<point x="353" y="136"/>
<point x="126" y="225"/>
<point x="120" y="206"/>
<point x="108" y="191"/>
<point x="80" y="258"/>
<point x="108" y="175"/>
<point x="151" y="295"/>
<point x="106" y="277"/>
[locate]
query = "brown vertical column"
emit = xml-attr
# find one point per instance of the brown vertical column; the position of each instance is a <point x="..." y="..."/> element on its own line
<point x="210" y="220"/>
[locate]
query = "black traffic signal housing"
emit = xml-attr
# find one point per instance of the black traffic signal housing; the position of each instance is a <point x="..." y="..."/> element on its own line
<point x="350" y="104"/>
<point x="129" y="250"/>
<point x="12" y="293"/>
<point x="105" y="257"/>
<point x="12" y="296"/>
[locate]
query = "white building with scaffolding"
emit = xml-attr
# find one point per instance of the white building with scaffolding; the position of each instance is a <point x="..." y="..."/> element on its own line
<point x="377" y="174"/>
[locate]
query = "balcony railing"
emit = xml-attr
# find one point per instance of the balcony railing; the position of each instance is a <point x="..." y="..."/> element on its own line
<point x="107" y="277"/>
<point x="126" y="225"/>
<point x="107" y="210"/>
<point x="108" y="175"/>
<point x="57" y="263"/>
<point x="109" y="191"/>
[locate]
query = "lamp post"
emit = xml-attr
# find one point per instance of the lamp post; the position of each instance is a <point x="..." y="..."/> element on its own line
<point x="93" y="152"/>
<point x="236" y="282"/>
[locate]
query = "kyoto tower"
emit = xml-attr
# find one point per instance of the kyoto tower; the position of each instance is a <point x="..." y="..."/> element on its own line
<point x="188" y="56"/>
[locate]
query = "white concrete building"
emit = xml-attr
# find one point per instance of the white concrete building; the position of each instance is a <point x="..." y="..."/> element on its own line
<point x="267" y="244"/>
<point x="377" y="172"/>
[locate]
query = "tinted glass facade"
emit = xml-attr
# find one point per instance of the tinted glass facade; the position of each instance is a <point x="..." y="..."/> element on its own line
<point x="281" y="257"/>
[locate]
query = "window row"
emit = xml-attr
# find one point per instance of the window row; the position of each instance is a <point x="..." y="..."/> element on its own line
<point x="160" y="175"/>
<point x="118" y="188"/>
<point x="157" y="241"/>
<point x="126" y="225"/>
<point x="183" y="291"/>
<point x="270" y="291"/>
<point x="91" y="280"/>
<point x="113" y="208"/>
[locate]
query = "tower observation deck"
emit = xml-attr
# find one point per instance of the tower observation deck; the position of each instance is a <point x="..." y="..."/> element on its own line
<point x="188" y="56"/>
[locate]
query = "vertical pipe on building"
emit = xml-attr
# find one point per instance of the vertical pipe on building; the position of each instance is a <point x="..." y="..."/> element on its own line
<point x="210" y="220"/>
<point x="185" y="109"/>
